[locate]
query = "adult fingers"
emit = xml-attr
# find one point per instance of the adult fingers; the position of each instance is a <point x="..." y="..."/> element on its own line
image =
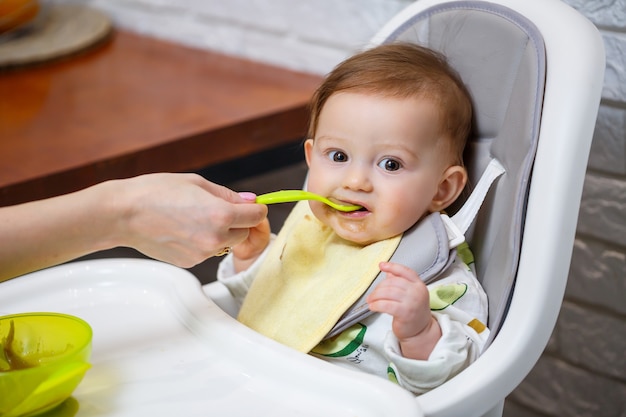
<point x="243" y="215"/>
<point x="248" y="215"/>
<point x="236" y="236"/>
<point x="223" y="192"/>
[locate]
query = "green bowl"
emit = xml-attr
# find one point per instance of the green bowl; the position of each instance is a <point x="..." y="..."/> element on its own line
<point x="43" y="358"/>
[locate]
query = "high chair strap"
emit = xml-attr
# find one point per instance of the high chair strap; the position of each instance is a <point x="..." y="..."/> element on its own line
<point x="467" y="213"/>
<point x="429" y="246"/>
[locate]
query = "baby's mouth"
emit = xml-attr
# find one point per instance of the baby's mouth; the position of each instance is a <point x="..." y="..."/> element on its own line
<point x="362" y="208"/>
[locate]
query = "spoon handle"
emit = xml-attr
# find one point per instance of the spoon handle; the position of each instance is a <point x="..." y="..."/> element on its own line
<point x="288" y="196"/>
<point x="285" y="196"/>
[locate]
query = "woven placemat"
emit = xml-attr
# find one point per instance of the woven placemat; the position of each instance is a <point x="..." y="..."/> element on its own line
<point x="62" y="29"/>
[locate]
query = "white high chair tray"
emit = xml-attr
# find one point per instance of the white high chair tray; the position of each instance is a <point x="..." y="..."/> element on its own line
<point x="161" y="347"/>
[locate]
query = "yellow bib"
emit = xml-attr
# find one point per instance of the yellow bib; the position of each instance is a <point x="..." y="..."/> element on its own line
<point x="309" y="278"/>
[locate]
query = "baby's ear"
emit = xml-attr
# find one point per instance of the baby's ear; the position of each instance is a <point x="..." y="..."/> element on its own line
<point x="450" y="186"/>
<point x="308" y="149"/>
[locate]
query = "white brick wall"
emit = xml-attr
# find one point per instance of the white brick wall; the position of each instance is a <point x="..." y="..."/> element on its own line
<point x="306" y="35"/>
<point x="583" y="371"/>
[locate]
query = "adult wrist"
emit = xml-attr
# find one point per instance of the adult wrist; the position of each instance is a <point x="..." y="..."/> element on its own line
<point x="111" y="210"/>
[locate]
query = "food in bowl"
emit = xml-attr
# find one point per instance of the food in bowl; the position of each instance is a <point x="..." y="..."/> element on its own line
<point x="43" y="358"/>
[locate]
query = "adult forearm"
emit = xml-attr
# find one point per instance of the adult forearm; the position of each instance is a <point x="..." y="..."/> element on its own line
<point x="181" y="219"/>
<point x="42" y="233"/>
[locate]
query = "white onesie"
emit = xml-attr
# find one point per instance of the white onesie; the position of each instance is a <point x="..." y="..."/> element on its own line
<point x="457" y="301"/>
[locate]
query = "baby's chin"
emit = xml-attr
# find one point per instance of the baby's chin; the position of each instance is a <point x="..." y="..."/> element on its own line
<point x="354" y="231"/>
<point x="361" y="239"/>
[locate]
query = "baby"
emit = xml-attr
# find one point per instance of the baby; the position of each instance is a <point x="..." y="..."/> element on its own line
<point x="387" y="132"/>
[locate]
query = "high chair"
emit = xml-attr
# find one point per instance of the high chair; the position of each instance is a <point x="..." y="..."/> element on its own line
<point x="161" y="346"/>
<point x="535" y="72"/>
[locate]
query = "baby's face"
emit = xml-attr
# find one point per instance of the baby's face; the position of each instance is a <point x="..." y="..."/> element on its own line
<point x="380" y="153"/>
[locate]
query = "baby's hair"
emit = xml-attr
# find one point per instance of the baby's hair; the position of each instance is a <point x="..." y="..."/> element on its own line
<point x="403" y="70"/>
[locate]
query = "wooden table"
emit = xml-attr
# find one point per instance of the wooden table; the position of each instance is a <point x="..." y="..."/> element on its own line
<point x="138" y="105"/>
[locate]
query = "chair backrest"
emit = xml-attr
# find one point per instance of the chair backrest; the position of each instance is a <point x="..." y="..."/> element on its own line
<point x="505" y="76"/>
<point x="534" y="69"/>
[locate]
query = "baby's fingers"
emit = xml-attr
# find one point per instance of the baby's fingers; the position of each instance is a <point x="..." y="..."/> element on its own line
<point x="399" y="270"/>
<point x="386" y="297"/>
<point x="400" y="292"/>
<point x="258" y="239"/>
<point x="382" y="305"/>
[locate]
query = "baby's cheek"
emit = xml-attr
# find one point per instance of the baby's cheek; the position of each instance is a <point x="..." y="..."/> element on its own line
<point x="400" y="220"/>
<point x="319" y="210"/>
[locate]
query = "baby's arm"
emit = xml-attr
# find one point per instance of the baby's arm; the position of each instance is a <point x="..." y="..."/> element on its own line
<point x="403" y="295"/>
<point x="246" y="252"/>
<point x="239" y="281"/>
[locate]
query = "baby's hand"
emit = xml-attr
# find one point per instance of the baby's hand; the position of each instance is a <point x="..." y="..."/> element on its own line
<point x="246" y="252"/>
<point x="403" y="295"/>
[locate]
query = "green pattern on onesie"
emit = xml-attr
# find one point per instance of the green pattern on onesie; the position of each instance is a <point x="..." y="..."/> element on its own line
<point x="343" y="344"/>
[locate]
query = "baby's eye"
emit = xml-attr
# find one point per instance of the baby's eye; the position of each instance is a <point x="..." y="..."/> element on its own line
<point x="337" y="156"/>
<point x="389" y="164"/>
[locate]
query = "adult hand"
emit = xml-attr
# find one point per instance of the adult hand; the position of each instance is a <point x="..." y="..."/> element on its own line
<point x="183" y="218"/>
<point x="177" y="218"/>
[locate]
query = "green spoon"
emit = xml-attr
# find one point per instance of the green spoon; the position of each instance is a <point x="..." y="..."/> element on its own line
<point x="289" y="196"/>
